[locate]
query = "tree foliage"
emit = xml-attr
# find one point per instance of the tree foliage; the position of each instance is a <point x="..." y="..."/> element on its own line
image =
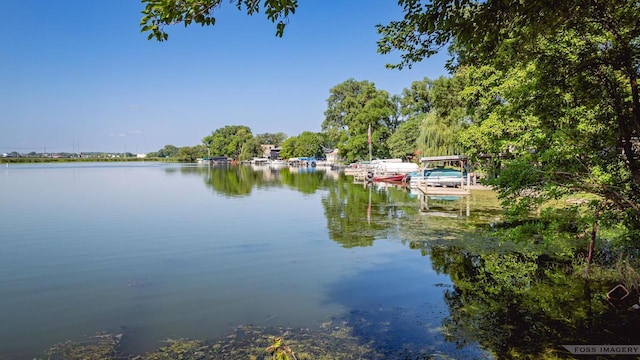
<point x="307" y="144"/>
<point x="288" y="148"/>
<point x="159" y="13"/>
<point x="275" y="139"/>
<point x="229" y="141"/>
<point x="416" y="99"/>
<point x="446" y="118"/>
<point x="191" y="153"/>
<point x="403" y="142"/>
<point x="352" y="107"/>
<point x="560" y="106"/>
<point x="166" y="152"/>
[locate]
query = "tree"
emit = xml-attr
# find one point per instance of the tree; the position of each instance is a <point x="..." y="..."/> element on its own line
<point x="191" y="153"/>
<point x="159" y="13"/>
<point x="577" y="110"/>
<point x="441" y="126"/>
<point x="352" y="107"/>
<point x="167" y="151"/>
<point x="416" y="99"/>
<point x="403" y="143"/>
<point x="229" y="141"/>
<point x="288" y="148"/>
<point x="250" y="149"/>
<point x="272" y="139"/>
<point x="309" y="144"/>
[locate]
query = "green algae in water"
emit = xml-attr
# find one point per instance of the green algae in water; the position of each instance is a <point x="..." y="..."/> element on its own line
<point x="332" y="341"/>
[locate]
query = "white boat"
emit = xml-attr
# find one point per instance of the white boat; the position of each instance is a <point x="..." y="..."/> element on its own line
<point x="357" y="168"/>
<point x="437" y="177"/>
<point x="259" y="161"/>
<point x="394" y="168"/>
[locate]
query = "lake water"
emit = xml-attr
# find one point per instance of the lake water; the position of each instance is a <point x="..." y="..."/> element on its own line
<point x="157" y="251"/>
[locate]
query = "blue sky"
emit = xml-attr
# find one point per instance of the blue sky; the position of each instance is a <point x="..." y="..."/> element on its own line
<point x="78" y="74"/>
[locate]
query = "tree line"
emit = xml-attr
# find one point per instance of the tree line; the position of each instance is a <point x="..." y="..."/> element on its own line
<point x="421" y="120"/>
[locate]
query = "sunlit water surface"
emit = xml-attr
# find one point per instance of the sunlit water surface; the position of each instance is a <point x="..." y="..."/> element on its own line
<point x="162" y="251"/>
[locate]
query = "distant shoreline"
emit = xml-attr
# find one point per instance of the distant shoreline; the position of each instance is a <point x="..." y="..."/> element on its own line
<point x="34" y="160"/>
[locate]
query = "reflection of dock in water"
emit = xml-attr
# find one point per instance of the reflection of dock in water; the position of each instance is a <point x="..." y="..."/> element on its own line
<point x="440" y="190"/>
<point x="438" y="201"/>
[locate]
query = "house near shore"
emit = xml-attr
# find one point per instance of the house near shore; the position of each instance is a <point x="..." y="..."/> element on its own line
<point x="270" y="151"/>
<point x="331" y="156"/>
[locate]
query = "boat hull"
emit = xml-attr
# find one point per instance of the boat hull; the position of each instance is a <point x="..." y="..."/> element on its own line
<point x="438" y="177"/>
<point x="390" y="178"/>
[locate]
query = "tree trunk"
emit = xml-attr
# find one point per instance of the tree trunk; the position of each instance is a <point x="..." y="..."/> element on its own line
<point x="594" y="232"/>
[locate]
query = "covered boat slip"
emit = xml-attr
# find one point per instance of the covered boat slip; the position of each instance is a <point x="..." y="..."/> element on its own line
<point x="436" y="180"/>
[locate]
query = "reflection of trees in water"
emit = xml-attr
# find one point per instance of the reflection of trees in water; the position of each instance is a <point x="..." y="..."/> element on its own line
<point x="228" y="180"/>
<point x="518" y="303"/>
<point x="241" y="180"/>
<point x="357" y="215"/>
<point x="513" y="299"/>
<point x="307" y="182"/>
<point x="525" y="305"/>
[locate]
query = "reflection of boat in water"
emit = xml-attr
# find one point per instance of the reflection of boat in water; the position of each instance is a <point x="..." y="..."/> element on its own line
<point x="278" y="164"/>
<point x="443" y="198"/>
<point x="302" y="169"/>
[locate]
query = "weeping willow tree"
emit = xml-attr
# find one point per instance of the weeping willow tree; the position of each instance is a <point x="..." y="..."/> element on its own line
<point x="440" y="127"/>
<point x="439" y="136"/>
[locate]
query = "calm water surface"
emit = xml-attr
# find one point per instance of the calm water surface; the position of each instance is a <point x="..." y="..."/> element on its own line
<point x="158" y="251"/>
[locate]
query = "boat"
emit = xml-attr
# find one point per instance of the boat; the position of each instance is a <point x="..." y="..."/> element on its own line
<point x="390" y="178"/>
<point x="356" y="168"/>
<point x="260" y="161"/>
<point x="303" y="161"/>
<point x="391" y="171"/>
<point x="438" y="177"/>
<point x="394" y="168"/>
<point x="213" y="160"/>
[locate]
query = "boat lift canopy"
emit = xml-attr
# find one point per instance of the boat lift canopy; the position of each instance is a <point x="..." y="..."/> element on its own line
<point x="462" y="160"/>
<point x="451" y="158"/>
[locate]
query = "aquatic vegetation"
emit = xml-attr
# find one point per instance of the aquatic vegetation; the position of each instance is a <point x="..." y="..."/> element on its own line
<point x="103" y="346"/>
<point x="179" y="349"/>
<point x="333" y="340"/>
<point x="280" y="351"/>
